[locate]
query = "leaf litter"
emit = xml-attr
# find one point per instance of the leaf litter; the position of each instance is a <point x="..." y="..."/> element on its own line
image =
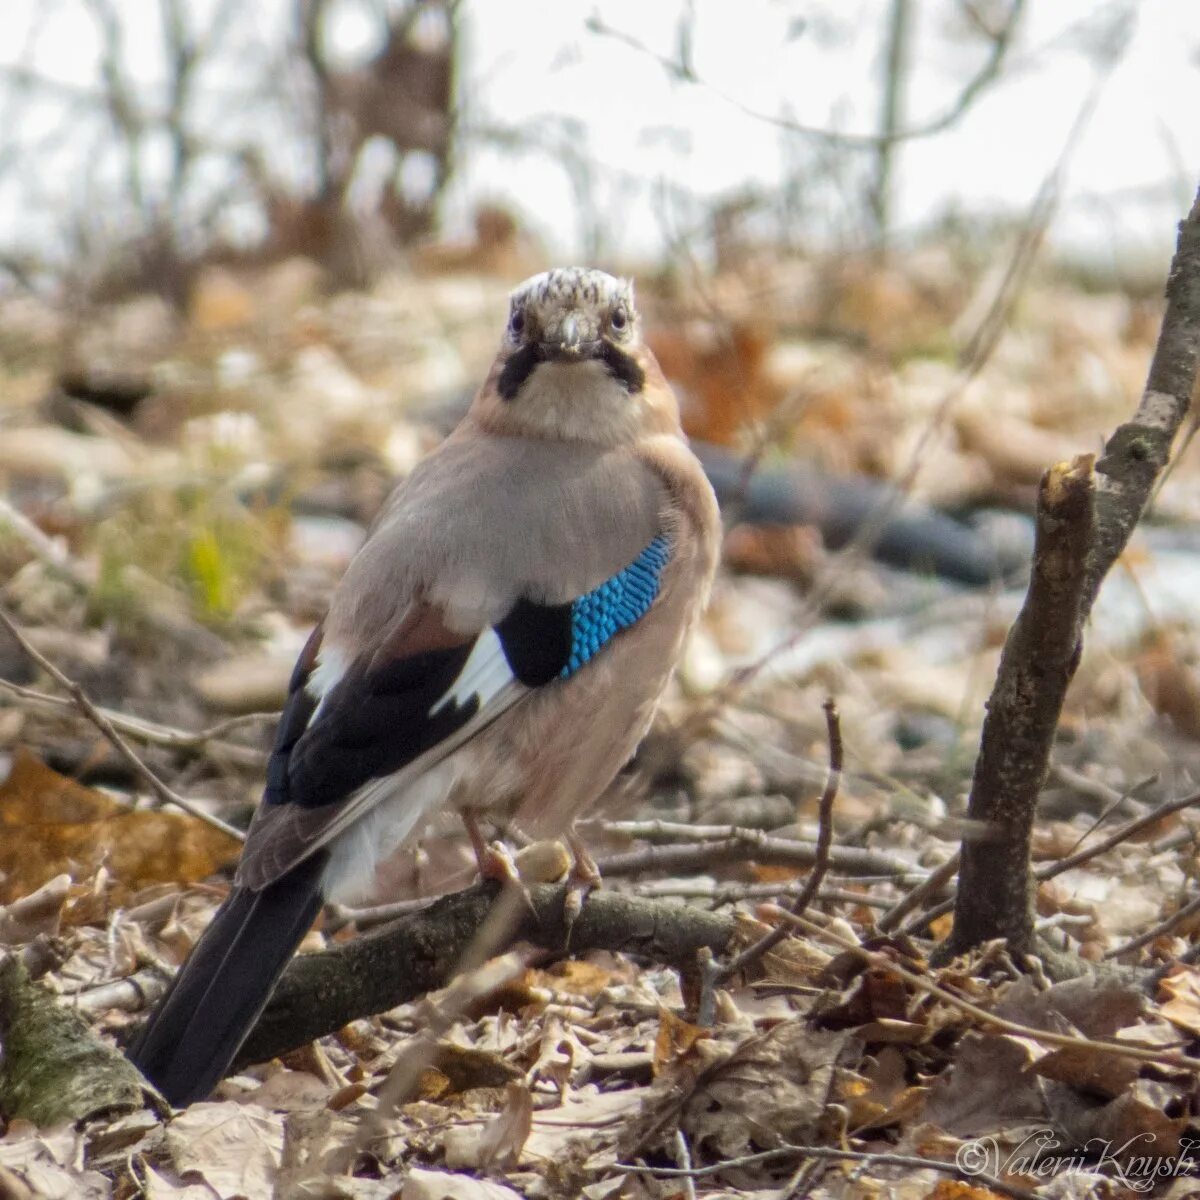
<point x="269" y="452"/>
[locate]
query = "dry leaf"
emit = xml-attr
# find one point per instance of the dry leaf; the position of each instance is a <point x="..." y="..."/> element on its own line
<point x="880" y="1095"/>
<point x="505" y="1135"/>
<point x="675" y="1038"/>
<point x="235" y="1148"/>
<point x="50" y="825"/>
<point x="440" y="1185"/>
<point x="988" y="1087"/>
<point x="773" y="1088"/>
<point x="159" y="1187"/>
<point x="50" y="1164"/>
<point x="1181" y="987"/>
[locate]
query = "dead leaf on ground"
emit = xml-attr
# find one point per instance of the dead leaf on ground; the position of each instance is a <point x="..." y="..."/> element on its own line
<point x="159" y="1187"/>
<point x="49" y="1163"/>
<point x="988" y="1087"/>
<point x="235" y="1148"/>
<point x="674" y="1039"/>
<point x="773" y="1088"/>
<point x="880" y="1095"/>
<point x="50" y="825"/>
<point x="1180" y="990"/>
<point x="441" y="1185"/>
<point x="503" y="1137"/>
<point x="1092" y="1006"/>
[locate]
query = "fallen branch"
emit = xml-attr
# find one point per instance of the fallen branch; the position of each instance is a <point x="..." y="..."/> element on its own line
<point x="319" y="993"/>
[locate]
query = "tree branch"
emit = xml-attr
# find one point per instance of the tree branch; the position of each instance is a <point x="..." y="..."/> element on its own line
<point x="319" y="993"/>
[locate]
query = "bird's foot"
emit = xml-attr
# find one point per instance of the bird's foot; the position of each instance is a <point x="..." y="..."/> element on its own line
<point x="495" y="861"/>
<point x="584" y="877"/>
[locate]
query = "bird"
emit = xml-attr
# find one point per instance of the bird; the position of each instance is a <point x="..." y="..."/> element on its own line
<point x="497" y="647"/>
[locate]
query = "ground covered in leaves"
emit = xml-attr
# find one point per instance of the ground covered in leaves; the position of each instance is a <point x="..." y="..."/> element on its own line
<point x="180" y="494"/>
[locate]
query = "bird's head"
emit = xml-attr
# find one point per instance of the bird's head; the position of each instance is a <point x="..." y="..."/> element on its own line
<point x="572" y="364"/>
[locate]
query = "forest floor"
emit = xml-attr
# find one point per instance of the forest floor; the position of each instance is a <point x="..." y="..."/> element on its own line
<point x="179" y="494"/>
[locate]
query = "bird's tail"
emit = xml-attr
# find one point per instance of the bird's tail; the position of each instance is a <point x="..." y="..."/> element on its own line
<point x="191" y="1038"/>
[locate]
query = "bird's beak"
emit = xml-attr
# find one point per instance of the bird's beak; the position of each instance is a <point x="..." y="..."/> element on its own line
<point x="569" y="336"/>
<point x="573" y="341"/>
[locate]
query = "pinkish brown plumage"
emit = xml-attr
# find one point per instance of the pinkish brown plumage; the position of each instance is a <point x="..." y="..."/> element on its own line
<point x="498" y="646"/>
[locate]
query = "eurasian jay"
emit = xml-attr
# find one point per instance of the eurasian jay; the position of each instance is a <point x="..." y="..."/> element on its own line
<point x="498" y="645"/>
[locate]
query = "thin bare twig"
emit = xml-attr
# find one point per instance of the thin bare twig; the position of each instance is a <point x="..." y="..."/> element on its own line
<point x="753" y="845"/>
<point x="681" y="69"/>
<point x="165" y="793"/>
<point x="1156" y="931"/>
<point x="910" y="1162"/>
<point x="152" y="733"/>
<point x="937" y="880"/>
<point x="882" y="962"/>
<point x="769" y="941"/>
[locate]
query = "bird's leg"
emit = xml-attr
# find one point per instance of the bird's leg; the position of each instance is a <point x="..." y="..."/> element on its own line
<point x="493" y="859"/>
<point x="584" y="876"/>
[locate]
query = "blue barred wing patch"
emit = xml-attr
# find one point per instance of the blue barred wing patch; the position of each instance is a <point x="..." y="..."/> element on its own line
<point x="616" y="604"/>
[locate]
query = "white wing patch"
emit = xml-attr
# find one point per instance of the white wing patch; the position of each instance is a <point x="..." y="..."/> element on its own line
<point x="325" y="676"/>
<point x="485" y="674"/>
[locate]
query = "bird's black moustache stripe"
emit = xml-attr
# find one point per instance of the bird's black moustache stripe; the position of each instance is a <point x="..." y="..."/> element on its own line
<point x="518" y="369"/>
<point x="525" y="361"/>
<point x="621" y="366"/>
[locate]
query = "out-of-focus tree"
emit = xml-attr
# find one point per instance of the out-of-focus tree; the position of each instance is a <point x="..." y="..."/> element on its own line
<point x="139" y="139"/>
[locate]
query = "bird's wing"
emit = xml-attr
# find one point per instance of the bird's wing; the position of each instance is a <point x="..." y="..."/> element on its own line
<point x="366" y="719"/>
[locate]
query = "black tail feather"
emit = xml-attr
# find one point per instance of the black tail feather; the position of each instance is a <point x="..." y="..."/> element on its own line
<point x="193" y="1035"/>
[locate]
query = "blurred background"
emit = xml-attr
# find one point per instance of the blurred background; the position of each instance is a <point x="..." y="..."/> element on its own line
<point x="895" y="257"/>
<point x="614" y="131"/>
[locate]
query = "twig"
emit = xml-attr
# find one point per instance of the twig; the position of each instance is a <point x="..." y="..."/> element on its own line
<point x="168" y="737"/>
<point x="45" y="549"/>
<point x="1155" y="931"/>
<point x="910" y="1162"/>
<point x="937" y="880"/>
<point x="719" y="894"/>
<point x="1114" y="839"/>
<point x="683" y="1156"/>
<point x="167" y="794"/>
<point x="753" y="845"/>
<point x="769" y="941"/>
<point x="668" y="832"/>
<point x="1050" y="870"/>
<point x="881" y="962"/>
<point x="682" y="70"/>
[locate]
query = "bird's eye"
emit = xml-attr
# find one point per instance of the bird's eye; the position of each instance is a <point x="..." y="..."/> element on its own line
<point x="516" y="323"/>
<point x="619" y="319"/>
